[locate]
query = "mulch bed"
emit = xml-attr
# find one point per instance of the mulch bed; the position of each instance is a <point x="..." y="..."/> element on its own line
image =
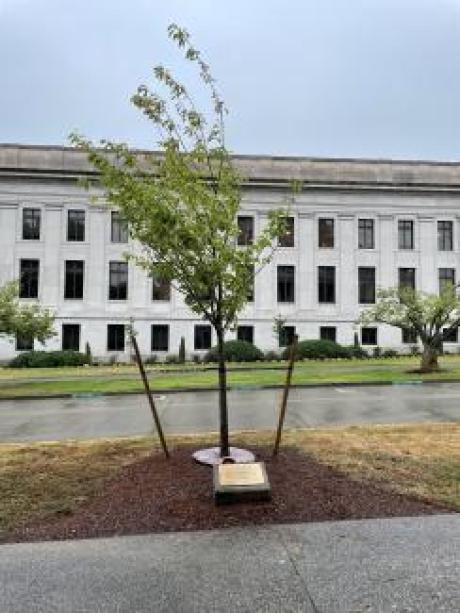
<point x="159" y="495"/>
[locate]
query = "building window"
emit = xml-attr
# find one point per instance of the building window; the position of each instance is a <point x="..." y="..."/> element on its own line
<point x="286" y="239"/>
<point x="118" y="280"/>
<point x="160" y="338"/>
<point x="246" y="230"/>
<point x="202" y="337"/>
<point x="446" y="279"/>
<point x="328" y="333"/>
<point x="409" y="336"/>
<point x="366" y="234"/>
<point x="71" y="337"/>
<point x="31" y="224"/>
<point x="406" y="278"/>
<point x="286" y="283"/>
<point x="326" y="233"/>
<point x="250" y="294"/>
<point x="369" y="336"/>
<point x="161" y="289"/>
<point x="24" y="343"/>
<point x="326" y="284"/>
<point x="75" y="225"/>
<point x="115" y="337"/>
<point x="445" y="235"/>
<point x="450" y="335"/>
<point x="28" y="278"/>
<point x="73" y="282"/>
<point x="286" y="336"/>
<point x="245" y="333"/>
<point x="366" y="283"/>
<point x="405" y="234"/>
<point x="119" y="228"/>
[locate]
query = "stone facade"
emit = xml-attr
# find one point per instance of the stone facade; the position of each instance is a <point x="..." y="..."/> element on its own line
<point x="346" y="191"/>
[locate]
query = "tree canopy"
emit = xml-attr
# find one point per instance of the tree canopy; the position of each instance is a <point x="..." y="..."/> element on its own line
<point x="27" y="320"/>
<point x="429" y="316"/>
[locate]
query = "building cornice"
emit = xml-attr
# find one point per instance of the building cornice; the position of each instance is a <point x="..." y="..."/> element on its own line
<point x="43" y="162"/>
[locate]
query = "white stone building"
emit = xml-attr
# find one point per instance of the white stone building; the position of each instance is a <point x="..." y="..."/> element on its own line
<point x="357" y="225"/>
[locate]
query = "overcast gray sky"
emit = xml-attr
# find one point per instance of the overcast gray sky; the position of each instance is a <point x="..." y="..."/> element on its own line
<point x="342" y="78"/>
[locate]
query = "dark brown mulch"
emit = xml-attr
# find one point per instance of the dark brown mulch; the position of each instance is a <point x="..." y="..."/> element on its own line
<point x="157" y="495"/>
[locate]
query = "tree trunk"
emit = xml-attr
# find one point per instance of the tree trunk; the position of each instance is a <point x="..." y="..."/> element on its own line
<point x="429" y="361"/>
<point x="223" y="412"/>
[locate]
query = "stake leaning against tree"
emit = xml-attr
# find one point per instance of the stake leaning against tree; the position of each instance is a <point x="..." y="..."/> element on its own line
<point x="284" y="399"/>
<point x="182" y="203"/>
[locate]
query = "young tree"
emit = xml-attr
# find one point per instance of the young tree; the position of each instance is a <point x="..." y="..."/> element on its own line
<point x="181" y="203"/>
<point x="431" y="317"/>
<point x="28" y="320"/>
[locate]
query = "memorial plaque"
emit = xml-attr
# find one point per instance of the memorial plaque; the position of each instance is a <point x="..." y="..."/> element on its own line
<point x="245" y="482"/>
<point x="241" y="474"/>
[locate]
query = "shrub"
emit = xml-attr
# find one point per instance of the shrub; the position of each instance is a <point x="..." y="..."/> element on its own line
<point x="88" y="353"/>
<point x="236" y="351"/>
<point x="151" y="359"/>
<point x="49" y="359"/>
<point x="319" y="350"/>
<point x="390" y="353"/>
<point x="182" y="350"/>
<point x="272" y="356"/>
<point x="172" y="358"/>
<point x="196" y="358"/>
<point x="356" y="351"/>
<point x="377" y="352"/>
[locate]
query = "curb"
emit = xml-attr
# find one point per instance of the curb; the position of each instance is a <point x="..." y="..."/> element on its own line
<point x="238" y="388"/>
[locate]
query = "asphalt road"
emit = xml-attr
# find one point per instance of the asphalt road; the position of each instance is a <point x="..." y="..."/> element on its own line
<point x="404" y="564"/>
<point x="188" y="412"/>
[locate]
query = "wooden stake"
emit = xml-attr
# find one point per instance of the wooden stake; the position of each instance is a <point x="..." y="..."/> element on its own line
<point x="149" y="395"/>
<point x="287" y="385"/>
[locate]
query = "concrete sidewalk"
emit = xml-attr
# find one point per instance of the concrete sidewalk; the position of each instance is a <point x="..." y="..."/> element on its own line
<point x="404" y="564"/>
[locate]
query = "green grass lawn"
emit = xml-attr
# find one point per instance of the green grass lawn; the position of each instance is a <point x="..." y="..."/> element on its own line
<point x="14" y="382"/>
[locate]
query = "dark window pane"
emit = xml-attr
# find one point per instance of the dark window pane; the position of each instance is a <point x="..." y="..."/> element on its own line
<point x="369" y="336"/>
<point x="366" y="282"/>
<point x="24" y="343"/>
<point x="287" y="238"/>
<point x="446" y="278"/>
<point x="160" y="338"/>
<point x="76" y="225"/>
<point x="409" y="336"/>
<point x="31" y="224"/>
<point x="28" y="278"/>
<point x="286" y="283"/>
<point x="246" y="230"/>
<point x="327" y="333"/>
<point x="202" y="337"/>
<point x="119" y="228"/>
<point x="366" y="234"/>
<point x="71" y="337"/>
<point x="118" y="281"/>
<point x="286" y="336"/>
<point x="405" y="234"/>
<point x="450" y="336"/>
<point x="161" y="289"/>
<point x="407" y="278"/>
<point x="326" y="233"/>
<point x="115" y="337"/>
<point x="245" y="333"/>
<point x="250" y="294"/>
<point x="74" y="279"/>
<point x="445" y="235"/>
<point x="326" y="284"/>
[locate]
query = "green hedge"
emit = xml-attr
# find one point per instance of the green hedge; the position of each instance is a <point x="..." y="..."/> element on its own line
<point x="236" y="351"/>
<point x="320" y="350"/>
<point x="47" y="359"/>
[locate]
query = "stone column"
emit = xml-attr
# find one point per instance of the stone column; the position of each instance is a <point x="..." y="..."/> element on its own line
<point x="346" y="275"/>
<point x="427" y="278"/>
<point x="387" y="245"/>
<point x="52" y="287"/>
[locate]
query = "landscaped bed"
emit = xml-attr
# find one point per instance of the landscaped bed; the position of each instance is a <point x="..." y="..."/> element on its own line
<point x="73" y="490"/>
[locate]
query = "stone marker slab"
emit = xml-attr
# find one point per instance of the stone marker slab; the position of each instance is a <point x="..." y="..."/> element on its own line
<point x="240" y="483"/>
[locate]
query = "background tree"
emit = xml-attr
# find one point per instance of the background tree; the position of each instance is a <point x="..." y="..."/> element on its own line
<point x="431" y="317"/>
<point x="181" y="203"/>
<point x="26" y="320"/>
